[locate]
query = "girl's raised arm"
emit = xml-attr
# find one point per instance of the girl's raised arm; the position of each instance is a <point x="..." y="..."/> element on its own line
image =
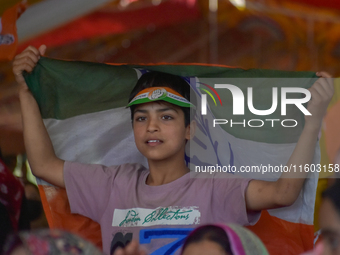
<point x="262" y="195"/>
<point x="40" y="153"/>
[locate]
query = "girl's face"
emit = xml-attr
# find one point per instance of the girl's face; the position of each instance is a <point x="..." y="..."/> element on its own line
<point x="204" y="247"/>
<point x="160" y="131"/>
<point x="329" y="219"/>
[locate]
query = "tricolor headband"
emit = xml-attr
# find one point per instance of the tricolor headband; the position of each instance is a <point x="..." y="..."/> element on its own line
<point x="160" y="93"/>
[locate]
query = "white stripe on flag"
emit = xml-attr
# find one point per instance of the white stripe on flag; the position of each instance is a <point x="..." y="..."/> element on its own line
<point x="100" y="138"/>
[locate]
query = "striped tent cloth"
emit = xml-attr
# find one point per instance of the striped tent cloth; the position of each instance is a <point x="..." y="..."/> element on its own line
<point x="8" y="31"/>
<point x="83" y="106"/>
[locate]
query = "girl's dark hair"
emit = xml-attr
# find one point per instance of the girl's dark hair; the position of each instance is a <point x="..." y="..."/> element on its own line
<point x="160" y="79"/>
<point x="333" y="194"/>
<point x="209" y="233"/>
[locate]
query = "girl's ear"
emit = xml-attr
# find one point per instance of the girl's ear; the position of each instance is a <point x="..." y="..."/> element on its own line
<point x="190" y="130"/>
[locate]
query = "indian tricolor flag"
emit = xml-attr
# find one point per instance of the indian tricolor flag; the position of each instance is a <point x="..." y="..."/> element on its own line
<point x="84" y="109"/>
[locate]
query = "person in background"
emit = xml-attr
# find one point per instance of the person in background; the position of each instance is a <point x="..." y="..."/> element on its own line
<point x="13" y="216"/>
<point x="329" y="220"/>
<point x="48" y="242"/>
<point x="215" y="239"/>
<point x="219" y="239"/>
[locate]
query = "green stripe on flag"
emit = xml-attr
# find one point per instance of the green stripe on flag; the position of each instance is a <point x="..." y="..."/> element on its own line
<point x="65" y="89"/>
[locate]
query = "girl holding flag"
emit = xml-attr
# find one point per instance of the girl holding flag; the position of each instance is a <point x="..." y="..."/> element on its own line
<point x="161" y="204"/>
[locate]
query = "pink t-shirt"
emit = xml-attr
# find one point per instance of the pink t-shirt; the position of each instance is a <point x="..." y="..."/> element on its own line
<point x="159" y="217"/>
